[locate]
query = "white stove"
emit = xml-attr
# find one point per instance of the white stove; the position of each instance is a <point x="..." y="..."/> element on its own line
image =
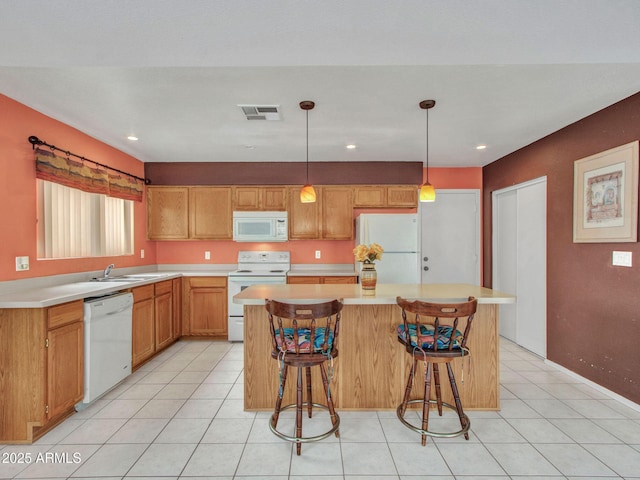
<point x="254" y="268"/>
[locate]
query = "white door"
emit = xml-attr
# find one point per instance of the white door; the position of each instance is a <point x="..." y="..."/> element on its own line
<point x="519" y="262"/>
<point x="450" y="237"/>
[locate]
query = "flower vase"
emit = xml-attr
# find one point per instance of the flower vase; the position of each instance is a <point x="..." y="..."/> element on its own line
<point x="368" y="279"/>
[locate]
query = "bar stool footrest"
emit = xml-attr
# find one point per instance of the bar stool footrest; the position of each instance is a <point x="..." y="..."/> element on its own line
<point x="430" y="433"/>
<point x="315" y="438"/>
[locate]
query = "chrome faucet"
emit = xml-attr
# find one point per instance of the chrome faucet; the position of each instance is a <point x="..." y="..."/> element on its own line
<point x="107" y="270"/>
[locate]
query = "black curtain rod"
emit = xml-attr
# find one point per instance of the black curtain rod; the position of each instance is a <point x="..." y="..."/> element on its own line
<point x="33" y="140"/>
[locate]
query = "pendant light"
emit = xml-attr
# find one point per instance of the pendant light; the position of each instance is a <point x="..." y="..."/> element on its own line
<point x="308" y="193"/>
<point x="427" y="192"/>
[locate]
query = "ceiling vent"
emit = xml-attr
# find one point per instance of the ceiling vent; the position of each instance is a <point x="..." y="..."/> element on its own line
<point x="261" y="112"/>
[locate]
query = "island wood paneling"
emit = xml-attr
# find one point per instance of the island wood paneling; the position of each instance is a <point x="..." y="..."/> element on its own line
<point x="372" y="367"/>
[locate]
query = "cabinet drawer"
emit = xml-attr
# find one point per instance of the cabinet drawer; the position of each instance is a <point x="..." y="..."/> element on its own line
<point x="207" y="282"/>
<point x="163" y="287"/>
<point x="143" y="292"/>
<point x="65" y="313"/>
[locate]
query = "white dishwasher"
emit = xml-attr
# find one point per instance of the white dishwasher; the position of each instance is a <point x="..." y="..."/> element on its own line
<point x="107" y="344"/>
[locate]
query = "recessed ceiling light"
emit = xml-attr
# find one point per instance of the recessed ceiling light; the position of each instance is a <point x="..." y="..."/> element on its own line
<point x="133" y="138"/>
<point x="351" y="146"/>
<point x="481" y="147"/>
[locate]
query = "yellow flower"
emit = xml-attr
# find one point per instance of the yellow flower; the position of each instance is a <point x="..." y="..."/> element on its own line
<point x="368" y="254"/>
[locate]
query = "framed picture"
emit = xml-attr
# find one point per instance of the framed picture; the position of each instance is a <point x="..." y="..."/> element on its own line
<point x="605" y="196"/>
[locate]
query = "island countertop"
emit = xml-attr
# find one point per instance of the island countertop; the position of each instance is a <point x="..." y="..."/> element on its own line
<point x="372" y="367"/>
<point x="385" y="294"/>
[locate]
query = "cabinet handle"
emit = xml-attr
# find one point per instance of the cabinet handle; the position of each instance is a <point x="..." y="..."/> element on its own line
<point x="426" y="259"/>
<point x="426" y="269"/>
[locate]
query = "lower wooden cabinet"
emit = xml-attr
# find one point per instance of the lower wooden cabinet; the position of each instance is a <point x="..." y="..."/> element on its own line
<point x="315" y="279"/>
<point x="163" y="310"/>
<point x="176" y="284"/>
<point x="205" y="306"/>
<point x="42" y="368"/>
<point x="152" y="322"/>
<point x="143" y="325"/>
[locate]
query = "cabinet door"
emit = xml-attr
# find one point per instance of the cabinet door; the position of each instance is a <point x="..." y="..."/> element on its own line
<point x="246" y="198"/>
<point x="402" y="196"/>
<point x="210" y="213"/>
<point x="143" y="331"/>
<point x="177" y="307"/>
<point x="337" y="213"/>
<point x="167" y="213"/>
<point x="163" y="315"/>
<point x="303" y="217"/>
<point x="206" y="306"/>
<point x="370" y="196"/>
<point x="274" y="198"/>
<point x="65" y="368"/>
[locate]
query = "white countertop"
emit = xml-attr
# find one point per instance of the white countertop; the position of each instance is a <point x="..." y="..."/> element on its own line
<point x="47" y="296"/>
<point x="384" y="293"/>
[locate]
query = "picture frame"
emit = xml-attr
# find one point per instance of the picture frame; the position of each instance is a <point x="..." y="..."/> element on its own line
<point x="605" y="196"/>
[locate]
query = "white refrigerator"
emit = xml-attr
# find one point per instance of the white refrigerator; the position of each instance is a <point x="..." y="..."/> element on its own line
<point x="398" y="235"/>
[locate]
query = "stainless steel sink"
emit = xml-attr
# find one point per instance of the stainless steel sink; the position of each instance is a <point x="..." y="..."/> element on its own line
<point x="114" y="279"/>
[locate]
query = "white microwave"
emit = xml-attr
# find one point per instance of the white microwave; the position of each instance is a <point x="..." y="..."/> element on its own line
<point x="260" y="227"/>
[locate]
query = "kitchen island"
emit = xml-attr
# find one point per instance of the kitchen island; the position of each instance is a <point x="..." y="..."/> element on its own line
<point x="372" y="367"/>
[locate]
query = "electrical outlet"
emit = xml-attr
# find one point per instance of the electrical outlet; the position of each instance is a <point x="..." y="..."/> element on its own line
<point x="142" y="253"/>
<point x="317" y="253"/>
<point x="621" y="259"/>
<point x="22" y="264"/>
<point x="207" y="255"/>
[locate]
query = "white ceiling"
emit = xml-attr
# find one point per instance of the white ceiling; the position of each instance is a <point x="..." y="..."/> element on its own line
<point x="503" y="72"/>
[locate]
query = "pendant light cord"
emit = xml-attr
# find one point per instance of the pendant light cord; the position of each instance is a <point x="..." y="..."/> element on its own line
<point x="427" y="129"/>
<point x="307" y="146"/>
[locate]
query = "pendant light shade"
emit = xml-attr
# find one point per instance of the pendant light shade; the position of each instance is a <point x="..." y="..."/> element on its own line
<point x="427" y="192"/>
<point x="307" y="193"/>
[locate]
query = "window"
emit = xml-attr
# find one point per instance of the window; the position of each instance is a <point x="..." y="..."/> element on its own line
<point x="73" y="223"/>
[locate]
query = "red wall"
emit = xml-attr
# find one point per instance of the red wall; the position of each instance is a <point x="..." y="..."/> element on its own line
<point x="18" y="192"/>
<point x="18" y="199"/>
<point x="593" y="308"/>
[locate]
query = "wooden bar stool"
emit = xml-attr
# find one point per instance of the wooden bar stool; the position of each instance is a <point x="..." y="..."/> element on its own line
<point x="426" y="338"/>
<point x="304" y="336"/>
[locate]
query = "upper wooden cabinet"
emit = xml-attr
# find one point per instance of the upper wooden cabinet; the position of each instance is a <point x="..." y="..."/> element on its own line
<point x="383" y="196"/>
<point x="182" y="213"/>
<point x="210" y="213"/>
<point x="206" y="213"/>
<point x="329" y="218"/>
<point x="337" y="213"/>
<point x="167" y="213"/>
<point x="260" y="198"/>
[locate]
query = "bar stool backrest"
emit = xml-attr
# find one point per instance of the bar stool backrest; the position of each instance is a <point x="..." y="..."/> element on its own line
<point x="427" y="316"/>
<point x="304" y="328"/>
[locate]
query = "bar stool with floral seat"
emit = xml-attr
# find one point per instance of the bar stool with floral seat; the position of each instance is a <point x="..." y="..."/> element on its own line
<point x="425" y="337"/>
<point x="304" y="336"/>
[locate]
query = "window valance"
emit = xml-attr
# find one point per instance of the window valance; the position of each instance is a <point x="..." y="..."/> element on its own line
<point x="78" y="174"/>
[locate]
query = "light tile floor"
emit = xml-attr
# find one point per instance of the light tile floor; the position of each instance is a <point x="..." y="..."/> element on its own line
<point x="181" y="416"/>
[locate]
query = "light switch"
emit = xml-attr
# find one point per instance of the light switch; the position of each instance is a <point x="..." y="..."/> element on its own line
<point x="317" y="253"/>
<point x="621" y="259"/>
<point x="142" y="253"/>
